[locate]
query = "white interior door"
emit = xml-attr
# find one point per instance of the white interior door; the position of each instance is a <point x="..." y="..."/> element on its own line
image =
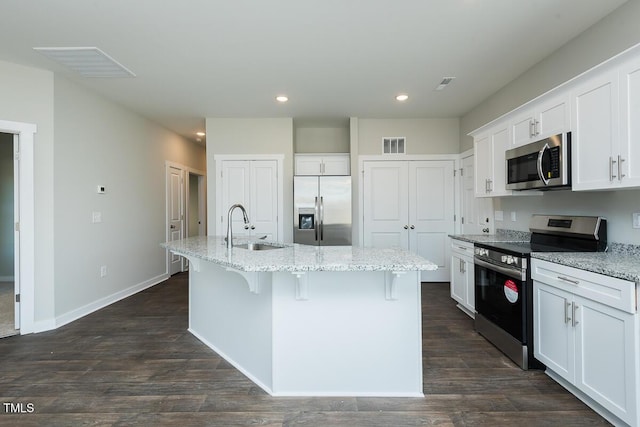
<point x="175" y="213"/>
<point x="385" y="211"/>
<point x="263" y="213"/>
<point x="236" y="186"/>
<point x="431" y="210"/>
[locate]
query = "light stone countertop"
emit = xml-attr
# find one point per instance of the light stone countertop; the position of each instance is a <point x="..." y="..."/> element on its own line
<point x="296" y="257"/>
<point x="623" y="265"/>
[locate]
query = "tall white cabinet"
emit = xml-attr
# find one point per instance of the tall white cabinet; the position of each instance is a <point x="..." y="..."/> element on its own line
<point x="410" y="204"/>
<point x="254" y="184"/>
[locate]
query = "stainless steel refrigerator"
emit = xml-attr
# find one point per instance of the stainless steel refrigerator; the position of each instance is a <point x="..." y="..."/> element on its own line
<point x="322" y="210"/>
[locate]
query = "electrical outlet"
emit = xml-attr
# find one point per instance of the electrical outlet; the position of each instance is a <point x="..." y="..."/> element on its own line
<point x="103" y="271"/>
<point x="498" y="215"/>
<point x="636" y="220"/>
<point x="96" y="217"/>
<point x="513" y="216"/>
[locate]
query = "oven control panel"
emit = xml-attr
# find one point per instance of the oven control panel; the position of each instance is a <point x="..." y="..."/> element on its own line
<point x="498" y="257"/>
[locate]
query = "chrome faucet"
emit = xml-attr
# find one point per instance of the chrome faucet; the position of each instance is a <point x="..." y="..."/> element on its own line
<point x="229" y="232"/>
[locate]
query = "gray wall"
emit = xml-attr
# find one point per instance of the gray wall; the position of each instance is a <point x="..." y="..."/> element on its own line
<point x="6" y="206"/>
<point x="613" y="34"/>
<point x="97" y="142"/>
<point x="250" y="136"/>
<point x="608" y="37"/>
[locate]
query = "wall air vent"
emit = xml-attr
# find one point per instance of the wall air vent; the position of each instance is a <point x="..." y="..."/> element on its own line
<point x="87" y="61"/>
<point x="394" y="145"/>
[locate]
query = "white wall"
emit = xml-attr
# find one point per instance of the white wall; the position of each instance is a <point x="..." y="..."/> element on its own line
<point x="27" y="96"/>
<point x="250" y="136"/>
<point x="616" y="206"/>
<point x="424" y="136"/>
<point x="6" y="206"/>
<point x="98" y="142"/>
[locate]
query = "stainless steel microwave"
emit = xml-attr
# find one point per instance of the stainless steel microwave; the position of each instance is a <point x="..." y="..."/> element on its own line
<point x="540" y="165"/>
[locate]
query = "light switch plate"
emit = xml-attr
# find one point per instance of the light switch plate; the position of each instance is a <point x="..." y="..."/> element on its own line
<point x="513" y="216"/>
<point x="636" y="220"/>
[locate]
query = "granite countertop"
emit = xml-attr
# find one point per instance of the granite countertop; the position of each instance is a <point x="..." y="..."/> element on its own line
<point x="622" y="261"/>
<point x="296" y="257"/>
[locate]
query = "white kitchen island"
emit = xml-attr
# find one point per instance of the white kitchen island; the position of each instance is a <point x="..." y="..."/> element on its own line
<point x="310" y="321"/>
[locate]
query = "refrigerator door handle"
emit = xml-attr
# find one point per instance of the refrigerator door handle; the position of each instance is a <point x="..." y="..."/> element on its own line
<point x="317" y="216"/>
<point x="321" y="218"/>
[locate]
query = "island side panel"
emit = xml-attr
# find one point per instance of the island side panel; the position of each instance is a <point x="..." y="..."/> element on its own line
<point x="233" y="321"/>
<point x="347" y="338"/>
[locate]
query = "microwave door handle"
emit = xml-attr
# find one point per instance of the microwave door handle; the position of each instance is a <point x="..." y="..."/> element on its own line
<point x="316" y="218"/>
<point x="540" y="172"/>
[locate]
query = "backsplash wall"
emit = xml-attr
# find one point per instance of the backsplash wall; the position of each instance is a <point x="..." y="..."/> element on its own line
<point x="616" y="206"/>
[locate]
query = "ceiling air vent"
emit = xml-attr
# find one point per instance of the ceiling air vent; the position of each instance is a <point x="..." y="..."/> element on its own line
<point x="88" y="61"/>
<point x="444" y="83"/>
<point x="394" y="145"/>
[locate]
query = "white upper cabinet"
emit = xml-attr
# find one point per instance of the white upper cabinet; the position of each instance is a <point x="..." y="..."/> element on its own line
<point x="629" y="146"/>
<point x="606" y="151"/>
<point x="322" y="164"/>
<point x="549" y="117"/>
<point x="489" y="154"/>
<point x="595" y="133"/>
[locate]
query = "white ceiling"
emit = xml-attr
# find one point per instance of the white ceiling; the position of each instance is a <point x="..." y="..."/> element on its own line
<point x="333" y="58"/>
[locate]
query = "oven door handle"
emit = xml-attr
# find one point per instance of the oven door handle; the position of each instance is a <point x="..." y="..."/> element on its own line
<point x="511" y="272"/>
<point x="540" y="171"/>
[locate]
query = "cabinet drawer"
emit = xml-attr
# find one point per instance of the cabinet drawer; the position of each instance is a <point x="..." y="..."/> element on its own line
<point x="610" y="291"/>
<point x="462" y="248"/>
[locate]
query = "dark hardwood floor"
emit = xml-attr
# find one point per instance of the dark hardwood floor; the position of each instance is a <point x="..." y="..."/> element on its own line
<point x="134" y="363"/>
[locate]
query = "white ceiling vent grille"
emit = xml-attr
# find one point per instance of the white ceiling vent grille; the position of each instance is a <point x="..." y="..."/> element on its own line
<point x="88" y="61"/>
<point x="394" y="145"/>
<point x="444" y="83"/>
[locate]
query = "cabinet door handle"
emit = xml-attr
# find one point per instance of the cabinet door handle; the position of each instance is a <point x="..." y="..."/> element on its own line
<point x="566" y="279"/>
<point x="413" y="227"/>
<point x="464" y="266"/>
<point x="611" y="163"/>
<point x="490" y="185"/>
<point x="531" y="129"/>
<point x="536" y="127"/>
<point x="406" y="227"/>
<point x="462" y="247"/>
<point x="253" y="227"/>
<point x="620" y="174"/>
<point x="567" y="319"/>
<point x="574" y="307"/>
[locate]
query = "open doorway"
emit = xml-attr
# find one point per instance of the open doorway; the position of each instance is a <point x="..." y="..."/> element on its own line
<point x="8" y="308"/>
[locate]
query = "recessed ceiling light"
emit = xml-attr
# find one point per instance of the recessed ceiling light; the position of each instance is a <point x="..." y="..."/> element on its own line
<point x="402" y="97"/>
<point x="200" y="133"/>
<point x="281" y="98"/>
<point x="88" y="61"/>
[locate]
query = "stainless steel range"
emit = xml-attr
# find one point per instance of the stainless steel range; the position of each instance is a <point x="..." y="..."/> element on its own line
<point x="503" y="285"/>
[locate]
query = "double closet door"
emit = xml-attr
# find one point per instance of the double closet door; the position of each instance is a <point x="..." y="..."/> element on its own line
<point x="410" y="204"/>
<point x="252" y="183"/>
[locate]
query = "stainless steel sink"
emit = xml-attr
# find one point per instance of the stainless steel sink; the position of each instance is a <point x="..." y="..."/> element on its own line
<point x="255" y="246"/>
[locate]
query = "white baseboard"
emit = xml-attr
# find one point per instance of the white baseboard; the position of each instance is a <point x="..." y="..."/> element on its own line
<point x="103" y="302"/>
<point x="7" y="279"/>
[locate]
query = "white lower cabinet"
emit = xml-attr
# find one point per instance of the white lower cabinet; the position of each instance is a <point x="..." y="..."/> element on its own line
<point x="462" y="276"/>
<point x="586" y="333"/>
